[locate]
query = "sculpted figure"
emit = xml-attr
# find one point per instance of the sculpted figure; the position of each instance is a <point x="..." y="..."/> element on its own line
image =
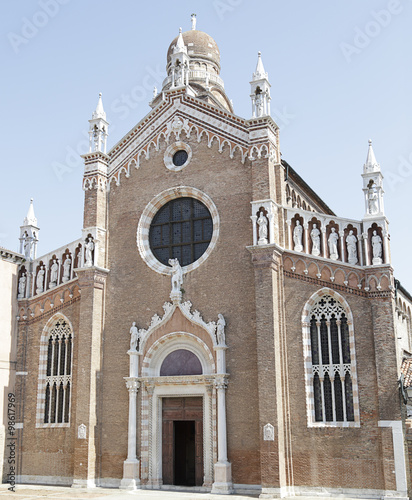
<point x="376" y="248"/>
<point x="27" y="247"/>
<point x="66" y="269"/>
<point x="220" y="330"/>
<point x="177" y="275"/>
<point x="372" y="201"/>
<point x="89" y="246"/>
<point x="297" y="237"/>
<point x="40" y="280"/>
<point x="54" y="271"/>
<point x="351" y="241"/>
<point x="22" y="285"/>
<point x="259" y="105"/>
<point x="135" y="338"/>
<point x="333" y="244"/>
<point x="262" y="222"/>
<point x="315" y="236"/>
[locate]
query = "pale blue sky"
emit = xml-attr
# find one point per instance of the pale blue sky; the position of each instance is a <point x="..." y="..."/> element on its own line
<point x="341" y="73"/>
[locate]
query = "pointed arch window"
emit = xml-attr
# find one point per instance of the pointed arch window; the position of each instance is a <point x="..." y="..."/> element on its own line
<point x="58" y="379"/>
<point x="331" y="382"/>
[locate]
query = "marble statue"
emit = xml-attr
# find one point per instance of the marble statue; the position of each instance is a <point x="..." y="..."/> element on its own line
<point x="27" y="247"/>
<point x="372" y="201"/>
<point x="66" y="268"/>
<point x="177" y="275"/>
<point x="315" y="236"/>
<point x="259" y="105"/>
<point x="297" y="237"/>
<point x="376" y="248"/>
<point x="333" y="244"/>
<point x="262" y="222"/>
<point x="22" y="285"/>
<point x="220" y="330"/>
<point x="40" y="280"/>
<point x="54" y="269"/>
<point x="89" y="246"/>
<point x="135" y="338"/>
<point x="351" y="241"/>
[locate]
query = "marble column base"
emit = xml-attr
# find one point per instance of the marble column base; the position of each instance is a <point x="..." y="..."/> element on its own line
<point x="223" y="479"/>
<point x="83" y="483"/>
<point x="131" y="479"/>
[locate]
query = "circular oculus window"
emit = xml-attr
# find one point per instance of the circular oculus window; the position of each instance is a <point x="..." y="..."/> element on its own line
<point x="177" y="156"/>
<point x="180" y="223"/>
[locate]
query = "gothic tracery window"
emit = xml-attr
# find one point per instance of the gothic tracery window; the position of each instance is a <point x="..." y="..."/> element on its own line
<point x="58" y="374"/>
<point x="331" y="376"/>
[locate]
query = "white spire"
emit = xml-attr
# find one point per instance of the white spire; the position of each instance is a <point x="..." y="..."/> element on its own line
<point x="371" y="165"/>
<point x="99" y="113"/>
<point x="180" y="44"/>
<point x="260" y="72"/>
<point x="193" y="17"/>
<point x="30" y="219"/>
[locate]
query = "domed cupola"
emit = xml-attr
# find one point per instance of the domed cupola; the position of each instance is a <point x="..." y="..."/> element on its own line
<point x="193" y="59"/>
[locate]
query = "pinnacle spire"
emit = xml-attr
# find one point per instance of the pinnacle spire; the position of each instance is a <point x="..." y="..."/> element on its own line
<point x="99" y="112"/>
<point x="260" y="70"/>
<point x="180" y="44"/>
<point x="371" y="165"/>
<point x="30" y="219"/>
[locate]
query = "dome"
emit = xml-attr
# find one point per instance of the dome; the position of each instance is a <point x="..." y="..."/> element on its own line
<point x="199" y="45"/>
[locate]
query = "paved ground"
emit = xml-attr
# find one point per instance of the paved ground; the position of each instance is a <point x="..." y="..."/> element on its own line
<point x="29" y="492"/>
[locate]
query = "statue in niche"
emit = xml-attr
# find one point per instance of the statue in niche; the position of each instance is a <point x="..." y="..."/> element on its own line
<point x="351" y="241"/>
<point x="54" y="269"/>
<point x="372" y="200"/>
<point x="27" y="247"/>
<point x="135" y="338"/>
<point x="220" y="330"/>
<point x="315" y="236"/>
<point x="40" y="280"/>
<point x="262" y="222"/>
<point x="89" y="246"/>
<point x="333" y="244"/>
<point x="297" y="237"/>
<point x="177" y="275"/>
<point x="376" y="248"/>
<point x="259" y="104"/>
<point x="66" y="268"/>
<point x="22" y="285"/>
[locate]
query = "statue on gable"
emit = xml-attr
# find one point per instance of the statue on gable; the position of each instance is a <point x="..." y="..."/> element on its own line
<point x="220" y="330"/>
<point x="372" y="200"/>
<point x="40" y="280"/>
<point x="315" y="236"/>
<point x="135" y="338"/>
<point x="66" y="268"/>
<point x="54" y="269"/>
<point x="177" y="275"/>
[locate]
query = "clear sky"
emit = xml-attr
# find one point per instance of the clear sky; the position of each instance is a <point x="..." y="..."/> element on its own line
<point x="341" y="73"/>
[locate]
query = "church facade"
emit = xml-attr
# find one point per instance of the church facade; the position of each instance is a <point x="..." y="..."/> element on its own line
<point x="216" y="325"/>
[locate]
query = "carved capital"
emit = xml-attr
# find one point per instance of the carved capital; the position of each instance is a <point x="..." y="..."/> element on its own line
<point x="132" y="384"/>
<point x="221" y="382"/>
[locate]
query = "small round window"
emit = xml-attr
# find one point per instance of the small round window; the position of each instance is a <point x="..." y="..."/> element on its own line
<point x="180" y="158"/>
<point x="181" y="229"/>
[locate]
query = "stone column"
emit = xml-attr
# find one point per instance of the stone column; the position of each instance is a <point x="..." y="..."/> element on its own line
<point x="366" y="243"/>
<point x="271" y="218"/>
<point x="254" y="219"/>
<point x="131" y="465"/>
<point x="342" y="245"/>
<point x="306" y="237"/>
<point x="223" y="469"/>
<point x="324" y="243"/>
<point x="290" y="237"/>
<point x="386" y="259"/>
